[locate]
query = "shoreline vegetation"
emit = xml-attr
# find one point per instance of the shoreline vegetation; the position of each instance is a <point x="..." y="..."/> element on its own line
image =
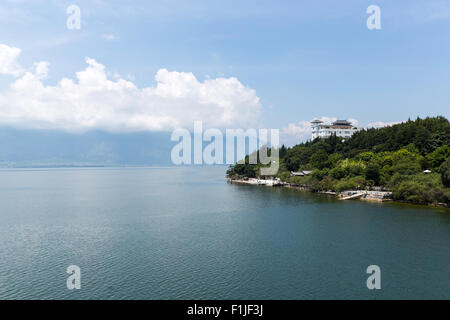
<point x="368" y="195"/>
<point x="407" y="162"/>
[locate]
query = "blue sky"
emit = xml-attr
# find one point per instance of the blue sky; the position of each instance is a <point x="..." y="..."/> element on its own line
<point x="303" y="59"/>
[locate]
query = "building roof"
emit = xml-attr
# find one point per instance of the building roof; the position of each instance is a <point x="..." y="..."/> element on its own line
<point x="301" y="173"/>
<point x="341" y="127"/>
<point x="342" y="122"/>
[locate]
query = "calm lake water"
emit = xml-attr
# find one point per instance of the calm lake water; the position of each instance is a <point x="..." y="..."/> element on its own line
<point x="184" y="233"/>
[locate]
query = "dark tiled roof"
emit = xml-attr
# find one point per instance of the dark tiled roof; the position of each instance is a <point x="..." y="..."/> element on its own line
<point x="342" y="122"/>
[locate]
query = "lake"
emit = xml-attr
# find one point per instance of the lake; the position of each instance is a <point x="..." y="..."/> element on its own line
<point x="185" y="233"/>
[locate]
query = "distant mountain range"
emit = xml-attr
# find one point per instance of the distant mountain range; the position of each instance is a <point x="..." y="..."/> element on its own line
<point x="20" y="147"/>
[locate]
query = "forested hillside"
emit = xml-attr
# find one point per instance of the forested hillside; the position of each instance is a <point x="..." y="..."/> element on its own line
<point x="393" y="158"/>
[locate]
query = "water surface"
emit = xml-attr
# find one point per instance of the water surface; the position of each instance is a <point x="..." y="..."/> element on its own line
<point x="184" y="233"/>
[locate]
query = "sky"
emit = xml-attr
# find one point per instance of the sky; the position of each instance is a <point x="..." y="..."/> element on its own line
<point x="158" y="65"/>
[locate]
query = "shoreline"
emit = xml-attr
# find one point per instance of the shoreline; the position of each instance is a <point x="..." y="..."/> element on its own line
<point x="362" y="195"/>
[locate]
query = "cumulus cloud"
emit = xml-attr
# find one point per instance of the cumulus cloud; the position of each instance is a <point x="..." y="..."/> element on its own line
<point x="93" y="101"/>
<point x="41" y="69"/>
<point x="354" y="122"/>
<point x="8" y="60"/>
<point x="298" y="129"/>
<point x="380" y="124"/>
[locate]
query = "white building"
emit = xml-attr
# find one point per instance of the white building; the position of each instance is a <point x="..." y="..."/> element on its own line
<point x="340" y="128"/>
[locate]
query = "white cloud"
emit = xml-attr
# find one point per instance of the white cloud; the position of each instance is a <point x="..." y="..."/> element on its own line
<point x="92" y="101"/>
<point x="8" y="60"/>
<point x="354" y="122"/>
<point x="41" y="69"/>
<point x="300" y="131"/>
<point x="380" y="124"/>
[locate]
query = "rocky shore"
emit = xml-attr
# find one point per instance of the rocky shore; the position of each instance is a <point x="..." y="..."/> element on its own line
<point x="367" y="195"/>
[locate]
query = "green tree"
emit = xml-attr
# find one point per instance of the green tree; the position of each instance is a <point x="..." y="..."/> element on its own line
<point x="444" y="170"/>
<point x="406" y="161"/>
<point x="283" y="151"/>
<point x="366" y="156"/>
<point x="338" y="172"/>
<point x="372" y="172"/>
<point x="333" y="159"/>
<point x="438" y="156"/>
<point x="319" y="159"/>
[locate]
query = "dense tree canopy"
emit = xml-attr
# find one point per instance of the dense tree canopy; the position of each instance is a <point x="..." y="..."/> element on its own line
<point x="392" y="157"/>
<point x="445" y="173"/>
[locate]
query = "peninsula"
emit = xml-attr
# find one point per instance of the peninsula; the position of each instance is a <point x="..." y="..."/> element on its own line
<point x="407" y="162"/>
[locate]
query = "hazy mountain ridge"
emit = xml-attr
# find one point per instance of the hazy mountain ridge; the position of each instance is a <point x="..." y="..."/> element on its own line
<point x="23" y="147"/>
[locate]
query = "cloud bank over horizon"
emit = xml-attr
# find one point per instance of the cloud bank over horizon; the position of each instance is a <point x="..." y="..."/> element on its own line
<point x="94" y="102"/>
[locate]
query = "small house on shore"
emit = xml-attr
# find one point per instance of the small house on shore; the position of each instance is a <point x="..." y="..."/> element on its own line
<point x="300" y="173"/>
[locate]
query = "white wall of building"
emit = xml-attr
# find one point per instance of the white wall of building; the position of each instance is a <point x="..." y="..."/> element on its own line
<point x="326" y="130"/>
